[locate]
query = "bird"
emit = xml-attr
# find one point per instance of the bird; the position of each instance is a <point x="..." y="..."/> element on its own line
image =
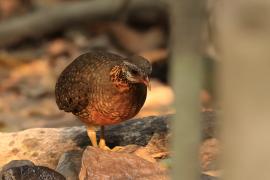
<point x="102" y="88"/>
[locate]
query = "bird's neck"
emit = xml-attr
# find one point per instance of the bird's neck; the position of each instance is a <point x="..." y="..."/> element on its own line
<point x="119" y="80"/>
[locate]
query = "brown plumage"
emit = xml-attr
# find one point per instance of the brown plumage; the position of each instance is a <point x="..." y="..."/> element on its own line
<point x="102" y="88"/>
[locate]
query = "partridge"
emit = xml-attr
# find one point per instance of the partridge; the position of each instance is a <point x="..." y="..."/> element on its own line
<point x="102" y="88"/>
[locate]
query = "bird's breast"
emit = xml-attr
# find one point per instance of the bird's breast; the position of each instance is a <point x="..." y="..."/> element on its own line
<point x="115" y="107"/>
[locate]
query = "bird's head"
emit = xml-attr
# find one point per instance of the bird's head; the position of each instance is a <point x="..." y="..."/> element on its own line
<point x="135" y="74"/>
<point x="132" y="71"/>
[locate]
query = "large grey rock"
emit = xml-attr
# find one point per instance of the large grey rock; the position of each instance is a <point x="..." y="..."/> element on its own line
<point x="44" y="146"/>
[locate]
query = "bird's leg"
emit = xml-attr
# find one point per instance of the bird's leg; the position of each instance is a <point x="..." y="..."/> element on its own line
<point x="91" y="131"/>
<point x="102" y="143"/>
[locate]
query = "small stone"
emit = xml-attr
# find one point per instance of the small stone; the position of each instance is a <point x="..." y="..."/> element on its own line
<point x="26" y="170"/>
<point x="17" y="163"/>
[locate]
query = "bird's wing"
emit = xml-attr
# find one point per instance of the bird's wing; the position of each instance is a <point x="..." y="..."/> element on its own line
<point x="73" y="87"/>
<point x="71" y="96"/>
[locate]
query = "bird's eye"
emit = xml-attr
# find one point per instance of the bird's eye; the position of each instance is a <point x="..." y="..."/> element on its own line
<point x="134" y="72"/>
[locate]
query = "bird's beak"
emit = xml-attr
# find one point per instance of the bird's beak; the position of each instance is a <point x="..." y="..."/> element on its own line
<point x="146" y="81"/>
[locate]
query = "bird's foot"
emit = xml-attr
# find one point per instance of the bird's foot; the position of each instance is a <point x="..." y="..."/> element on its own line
<point x="117" y="148"/>
<point x="102" y="145"/>
<point x="92" y="135"/>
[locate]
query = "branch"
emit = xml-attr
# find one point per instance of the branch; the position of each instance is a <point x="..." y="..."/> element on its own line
<point x="61" y="16"/>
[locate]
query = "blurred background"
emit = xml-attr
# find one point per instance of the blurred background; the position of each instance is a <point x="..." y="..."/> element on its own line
<point x="39" y="38"/>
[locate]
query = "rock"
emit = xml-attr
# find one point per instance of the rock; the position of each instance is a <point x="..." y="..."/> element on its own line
<point x="17" y="163"/>
<point x="26" y="170"/>
<point x="98" y="164"/>
<point x="137" y="132"/>
<point x="69" y="164"/>
<point x="44" y="146"/>
<point x="140" y="151"/>
<point x="158" y="146"/>
<point x="31" y="173"/>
